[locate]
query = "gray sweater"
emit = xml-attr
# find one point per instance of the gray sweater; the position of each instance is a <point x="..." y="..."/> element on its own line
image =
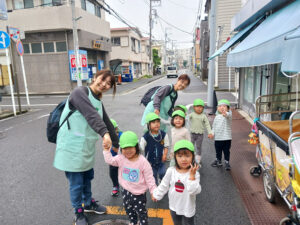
<point x="79" y="100"/>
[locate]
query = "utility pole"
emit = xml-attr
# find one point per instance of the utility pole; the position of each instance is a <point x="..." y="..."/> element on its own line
<point x="150" y="39"/>
<point x="76" y="48"/>
<point x="165" y="49"/>
<point x="212" y="48"/>
<point x="150" y="27"/>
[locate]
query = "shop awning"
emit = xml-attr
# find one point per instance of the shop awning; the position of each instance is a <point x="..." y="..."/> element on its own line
<point x="270" y="43"/>
<point x="232" y="41"/>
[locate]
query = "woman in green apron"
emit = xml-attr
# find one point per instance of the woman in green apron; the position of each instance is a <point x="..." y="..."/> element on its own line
<point x="163" y="101"/>
<point x="76" y="142"/>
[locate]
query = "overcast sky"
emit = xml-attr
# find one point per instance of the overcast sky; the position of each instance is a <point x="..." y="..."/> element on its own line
<point x="179" y="13"/>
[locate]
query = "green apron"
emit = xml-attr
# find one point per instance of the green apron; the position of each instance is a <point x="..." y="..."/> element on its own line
<point x="75" y="147"/>
<point x="165" y="106"/>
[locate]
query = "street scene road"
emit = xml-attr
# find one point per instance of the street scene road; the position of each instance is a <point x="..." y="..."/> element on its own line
<point x="37" y="193"/>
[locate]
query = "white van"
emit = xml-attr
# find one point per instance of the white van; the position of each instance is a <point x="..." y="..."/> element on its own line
<point x="172" y="71"/>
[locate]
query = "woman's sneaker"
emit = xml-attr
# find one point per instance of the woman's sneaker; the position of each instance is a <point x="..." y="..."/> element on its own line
<point x="216" y="163"/>
<point x="95" y="208"/>
<point x="80" y="218"/>
<point x="115" y="191"/>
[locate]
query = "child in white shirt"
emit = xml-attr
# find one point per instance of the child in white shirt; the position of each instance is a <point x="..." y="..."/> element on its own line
<point x="183" y="184"/>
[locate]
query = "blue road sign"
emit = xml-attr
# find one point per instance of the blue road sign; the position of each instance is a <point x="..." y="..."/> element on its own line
<point x="20" y="48"/>
<point x="4" y="40"/>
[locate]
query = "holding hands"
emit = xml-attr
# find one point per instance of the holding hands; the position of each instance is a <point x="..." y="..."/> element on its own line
<point x="106" y="142"/>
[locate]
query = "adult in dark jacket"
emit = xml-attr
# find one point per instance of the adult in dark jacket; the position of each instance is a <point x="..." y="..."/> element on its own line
<point x="76" y="144"/>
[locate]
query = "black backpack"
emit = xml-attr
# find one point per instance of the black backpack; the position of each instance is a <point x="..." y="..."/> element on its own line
<point x="147" y="96"/>
<point x="53" y="121"/>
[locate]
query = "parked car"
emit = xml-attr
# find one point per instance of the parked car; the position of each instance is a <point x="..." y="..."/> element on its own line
<point x="172" y="71"/>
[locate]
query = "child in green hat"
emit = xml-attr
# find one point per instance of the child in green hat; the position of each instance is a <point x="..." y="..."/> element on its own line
<point x="178" y="131"/>
<point x="198" y="122"/>
<point x="155" y="144"/>
<point x="182" y="182"/>
<point x="135" y="177"/>
<point x="221" y="129"/>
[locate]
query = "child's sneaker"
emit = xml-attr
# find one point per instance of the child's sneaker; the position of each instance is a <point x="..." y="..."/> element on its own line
<point x="216" y="163"/>
<point x="227" y="166"/>
<point x="95" y="208"/>
<point x="115" y="191"/>
<point x="80" y="218"/>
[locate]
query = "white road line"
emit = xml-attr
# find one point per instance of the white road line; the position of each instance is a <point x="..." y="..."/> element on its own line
<point x="40" y="117"/>
<point x="33" y="105"/>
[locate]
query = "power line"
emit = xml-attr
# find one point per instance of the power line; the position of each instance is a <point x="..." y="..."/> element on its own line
<point x="182" y="6"/>
<point x="174" y="26"/>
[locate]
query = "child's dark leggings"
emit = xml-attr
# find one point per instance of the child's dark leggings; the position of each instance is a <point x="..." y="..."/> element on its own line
<point x="223" y="146"/>
<point x="135" y="207"/>
<point x="182" y="220"/>
<point x="113" y="173"/>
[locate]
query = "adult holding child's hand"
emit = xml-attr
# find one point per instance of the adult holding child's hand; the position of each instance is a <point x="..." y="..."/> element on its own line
<point x="76" y="141"/>
<point x="163" y="101"/>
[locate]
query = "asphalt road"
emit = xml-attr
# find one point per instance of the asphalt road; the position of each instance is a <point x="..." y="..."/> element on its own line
<point x="33" y="192"/>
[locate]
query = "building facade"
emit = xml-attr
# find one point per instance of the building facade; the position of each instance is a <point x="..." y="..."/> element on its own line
<point x="129" y="50"/>
<point x="224" y="11"/>
<point x="204" y="49"/>
<point x="48" y="38"/>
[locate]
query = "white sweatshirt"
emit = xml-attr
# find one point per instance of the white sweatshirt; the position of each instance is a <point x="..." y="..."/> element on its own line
<point x="182" y="191"/>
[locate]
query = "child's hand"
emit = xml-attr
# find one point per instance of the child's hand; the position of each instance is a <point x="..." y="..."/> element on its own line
<point x="193" y="171"/>
<point x="211" y="136"/>
<point x="153" y="199"/>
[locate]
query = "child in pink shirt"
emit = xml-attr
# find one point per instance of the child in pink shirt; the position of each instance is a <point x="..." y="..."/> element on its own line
<point x="135" y="176"/>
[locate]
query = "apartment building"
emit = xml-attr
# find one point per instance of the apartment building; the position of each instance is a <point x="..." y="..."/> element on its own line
<point x="49" y="39"/>
<point x="130" y="51"/>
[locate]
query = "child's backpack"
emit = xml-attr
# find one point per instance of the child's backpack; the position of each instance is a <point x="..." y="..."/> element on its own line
<point x="53" y="121"/>
<point x="147" y="96"/>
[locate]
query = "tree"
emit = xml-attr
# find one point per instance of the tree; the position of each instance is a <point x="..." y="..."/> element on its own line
<point x="156" y="59"/>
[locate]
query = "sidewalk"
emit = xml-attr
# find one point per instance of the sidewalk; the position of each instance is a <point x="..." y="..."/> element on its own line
<point x="259" y="210"/>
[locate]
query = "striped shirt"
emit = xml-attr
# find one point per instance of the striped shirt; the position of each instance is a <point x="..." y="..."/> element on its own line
<point x="221" y="127"/>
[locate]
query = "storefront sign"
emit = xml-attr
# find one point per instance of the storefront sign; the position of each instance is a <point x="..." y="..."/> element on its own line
<point x="97" y="44"/>
<point x="83" y="69"/>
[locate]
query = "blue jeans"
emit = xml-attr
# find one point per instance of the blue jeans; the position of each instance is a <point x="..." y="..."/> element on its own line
<point x="159" y="170"/>
<point x="80" y="187"/>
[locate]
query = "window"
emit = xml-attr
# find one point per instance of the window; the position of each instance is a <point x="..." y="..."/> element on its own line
<point x="48" y="47"/>
<point x="139" y="46"/>
<point x="61" y="46"/>
<point x="90" y="7"/>
<point x="132" y="44"/>
<point x="116" y="41"/>
<point x="36" y="47"/>
<point x="83" y="6"/>
<point x="23" y="4"/>
<point x="26" y="48"/>
<point x="248" y="82"/>
<point x="52" y="2"/>
<point x="98" y="11"/>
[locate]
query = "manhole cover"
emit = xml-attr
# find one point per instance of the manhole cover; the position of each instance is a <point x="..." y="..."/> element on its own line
<point x="113" y="222"/>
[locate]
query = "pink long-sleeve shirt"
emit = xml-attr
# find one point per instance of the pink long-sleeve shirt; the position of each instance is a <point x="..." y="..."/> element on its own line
<point x="134" y="176"/>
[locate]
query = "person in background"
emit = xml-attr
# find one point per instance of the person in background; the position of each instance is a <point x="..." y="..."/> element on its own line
<point x="113" y="171"/>
<point x="163" y="101"/>
<point x="135" y="177"/>
<point x="155" y="144"/>
<point x="222" y="133"/>
<point x="182" y="181"/>
<point x="198" y="124"/>
<point x="76" y="140"/>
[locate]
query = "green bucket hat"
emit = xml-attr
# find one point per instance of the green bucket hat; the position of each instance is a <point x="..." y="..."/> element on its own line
<point x="198" y="102"/>
<point x="128" y="139"/>
<point x="178" y="113"/>
<point x="151" y="116"/>
<point x="224" y="102"/>
<point x="182" y="107"/>
<point x="183" y="144"/>
<point x="114" y="123"/>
